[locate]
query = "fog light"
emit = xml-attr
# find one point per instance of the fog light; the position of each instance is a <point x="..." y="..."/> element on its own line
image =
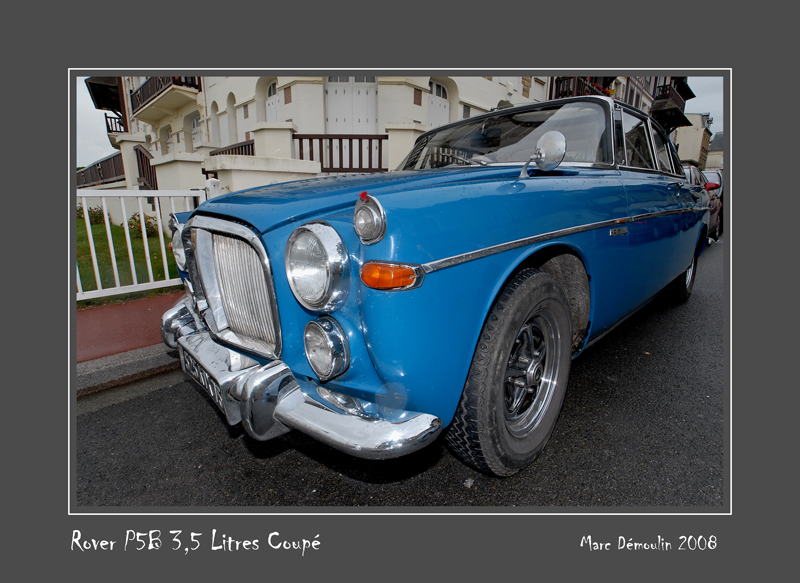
<point x="326" y="348"/>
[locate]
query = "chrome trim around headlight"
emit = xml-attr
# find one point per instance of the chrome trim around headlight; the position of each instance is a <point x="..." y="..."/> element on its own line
<point x="337" y="344"/>
<point x="371" y="204"/>
<point x="337" y="265"/>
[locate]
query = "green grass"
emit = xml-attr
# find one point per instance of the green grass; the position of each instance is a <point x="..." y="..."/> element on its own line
<point x="86" y="271"/>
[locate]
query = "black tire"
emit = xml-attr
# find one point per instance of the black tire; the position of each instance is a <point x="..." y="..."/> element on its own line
<point x="507" y="414"/>
<point x="681" y="287"/>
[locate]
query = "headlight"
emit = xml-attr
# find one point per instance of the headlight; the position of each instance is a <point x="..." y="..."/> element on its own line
<point x="317" y="267"/>
<point x="177" y="242"/>
<point x="326" y="348"/>
<point x="369" y="219"/>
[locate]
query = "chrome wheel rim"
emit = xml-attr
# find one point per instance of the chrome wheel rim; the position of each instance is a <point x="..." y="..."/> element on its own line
<point x="689" y="273"/>
<point x="531" y="373"/>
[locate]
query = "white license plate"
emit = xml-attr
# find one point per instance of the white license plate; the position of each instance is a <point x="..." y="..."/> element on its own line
<point x="195" y="370"/>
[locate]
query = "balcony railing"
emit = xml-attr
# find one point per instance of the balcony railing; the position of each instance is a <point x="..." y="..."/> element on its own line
<point x="147" y="174"/>
<point x="343" y="152"/>
<point x="102" y="172"/>
<point x="241" y="149"/>
<point x="115" y="125"/>
<point x="154" y="86"/>
<point x="668" y="93"/>
<point x="574" y="87"/>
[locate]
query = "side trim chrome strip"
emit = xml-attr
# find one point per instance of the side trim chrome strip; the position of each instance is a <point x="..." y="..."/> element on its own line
<point x="440" y="264"/>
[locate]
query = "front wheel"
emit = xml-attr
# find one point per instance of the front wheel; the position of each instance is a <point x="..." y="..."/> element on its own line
<point x="518" y="377"/>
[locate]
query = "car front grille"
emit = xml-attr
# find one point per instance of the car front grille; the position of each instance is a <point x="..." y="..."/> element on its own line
<point x="237" y="284"/>
<point x="245" y="295"/>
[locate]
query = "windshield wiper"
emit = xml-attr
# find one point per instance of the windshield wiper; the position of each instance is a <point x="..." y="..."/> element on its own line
<point x="470" y="161"/>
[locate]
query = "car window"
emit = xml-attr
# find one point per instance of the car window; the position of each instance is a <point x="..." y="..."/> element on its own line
<point x="662" y="152"/>
<point x="637" y="142"/>
<point x="512" y="137"/>
<point x="676" y="161"/>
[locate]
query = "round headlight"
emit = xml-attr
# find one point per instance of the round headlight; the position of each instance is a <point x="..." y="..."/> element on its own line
<point x="317" y="267"/>
<point x="326" y="348"/>
<point x="369" y="219"/>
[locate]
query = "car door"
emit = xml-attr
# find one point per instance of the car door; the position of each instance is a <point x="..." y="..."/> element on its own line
<point x="654" y="210"/>
<point x="694" y="197"/>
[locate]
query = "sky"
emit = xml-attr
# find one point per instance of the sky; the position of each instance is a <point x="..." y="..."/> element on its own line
<point x="93" y="145"/>
<point x="708" y="99"/>
<point x="91" y="139"/>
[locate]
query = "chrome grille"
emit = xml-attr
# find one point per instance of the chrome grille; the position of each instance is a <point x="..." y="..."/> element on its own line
<point x="243" y="286"/>
<point x="236" y="279"/>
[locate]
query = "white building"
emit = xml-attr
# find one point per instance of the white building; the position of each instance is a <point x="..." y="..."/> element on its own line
<point x="692" y="141"/>
<point x="173" y="132"/>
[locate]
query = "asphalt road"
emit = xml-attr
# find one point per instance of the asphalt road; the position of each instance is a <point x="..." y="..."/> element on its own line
<point x="643" y="426"/>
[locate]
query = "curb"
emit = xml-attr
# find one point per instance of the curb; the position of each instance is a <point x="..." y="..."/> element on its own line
<point x="119" y="369"/>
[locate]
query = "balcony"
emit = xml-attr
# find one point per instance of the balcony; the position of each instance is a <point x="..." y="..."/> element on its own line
<point x="103" y="171"/>
<point x="160" y="97"/>
<point x="668" y="107"/>
<point x="115" y="124"/>
<point x="343" y="153"/>
<point x="574" y="87"/>
<point x="337" y="153"/>
<point x="666" y="96"/>
<point x="240" y="149"/>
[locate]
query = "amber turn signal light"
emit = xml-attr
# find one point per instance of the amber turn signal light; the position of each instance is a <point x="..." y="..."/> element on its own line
<point x="388" y="275"/>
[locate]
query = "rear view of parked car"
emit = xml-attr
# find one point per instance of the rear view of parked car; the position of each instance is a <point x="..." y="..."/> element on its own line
<point x="701" y="183"/>
<point x="715" y="176"/>
<point x="377" y="313"/>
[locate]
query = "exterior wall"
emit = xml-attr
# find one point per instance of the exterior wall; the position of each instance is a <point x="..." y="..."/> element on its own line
<point x="692" y="141"/>
<point x="179" y="171"/>
<point x="242" y="172"/>
<point x="715" y="160"/>
<point x="231" y="109"/>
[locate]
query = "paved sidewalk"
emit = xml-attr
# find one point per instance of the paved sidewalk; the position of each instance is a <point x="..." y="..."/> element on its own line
<point x="122" y="343"/>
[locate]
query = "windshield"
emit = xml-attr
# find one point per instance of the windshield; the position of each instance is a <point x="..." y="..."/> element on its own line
<point x="511" y="138"/>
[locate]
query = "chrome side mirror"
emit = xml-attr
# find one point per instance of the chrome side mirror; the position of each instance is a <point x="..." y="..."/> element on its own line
<point x="550" y="151"/>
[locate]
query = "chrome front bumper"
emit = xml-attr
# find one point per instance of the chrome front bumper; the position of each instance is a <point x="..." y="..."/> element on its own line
<point x="269" y="400"/>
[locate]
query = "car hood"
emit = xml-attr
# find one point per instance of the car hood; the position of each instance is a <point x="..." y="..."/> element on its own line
<point x="270" y="207"/>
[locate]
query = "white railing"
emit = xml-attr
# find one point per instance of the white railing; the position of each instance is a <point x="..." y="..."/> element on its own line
<point x="110" y="272"/>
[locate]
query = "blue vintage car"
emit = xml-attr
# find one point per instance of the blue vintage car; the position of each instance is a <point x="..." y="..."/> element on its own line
<point x="378" y="312"/>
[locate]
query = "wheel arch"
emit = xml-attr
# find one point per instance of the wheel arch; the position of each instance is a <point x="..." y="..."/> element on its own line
<point x="700" y="246"/>
<point x="568" y="266"/>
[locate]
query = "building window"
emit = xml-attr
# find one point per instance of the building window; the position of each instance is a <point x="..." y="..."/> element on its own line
<point x="272" y="89"/>
<point x="287" y="95"/>
<point x="438" y="90"/>
<point x="466" y="111"/>
<point x="246" y="111"/>
<point x="417" y="97"/>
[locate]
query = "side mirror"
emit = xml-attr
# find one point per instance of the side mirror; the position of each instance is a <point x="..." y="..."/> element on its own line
<point x="711" y="186"/>
<point x="550" y="151"/>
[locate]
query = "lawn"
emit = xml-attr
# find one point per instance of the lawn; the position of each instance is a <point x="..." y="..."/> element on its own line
<point x="100" y="238"/>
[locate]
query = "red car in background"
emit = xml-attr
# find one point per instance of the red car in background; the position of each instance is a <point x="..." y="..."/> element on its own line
<point x="699" y="181"/>
<point x="716" y="176"/>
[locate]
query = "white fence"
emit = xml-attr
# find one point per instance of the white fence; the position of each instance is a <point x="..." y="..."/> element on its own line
<point x="110" y="271"/>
